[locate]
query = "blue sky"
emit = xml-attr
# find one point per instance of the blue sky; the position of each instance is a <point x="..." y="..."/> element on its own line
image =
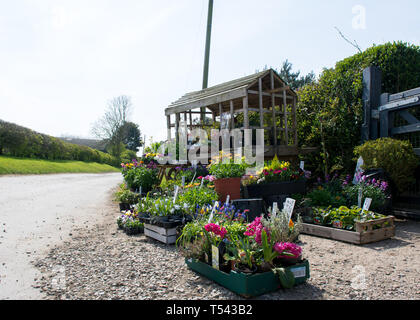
<point x="61" y="61"/>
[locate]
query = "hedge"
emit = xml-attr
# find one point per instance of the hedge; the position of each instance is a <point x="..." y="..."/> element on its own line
<point x="18" y="141"/>
<point x="330" y="111"/>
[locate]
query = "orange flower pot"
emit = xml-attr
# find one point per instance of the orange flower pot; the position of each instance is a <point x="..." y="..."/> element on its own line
<point x="229" y="186"/>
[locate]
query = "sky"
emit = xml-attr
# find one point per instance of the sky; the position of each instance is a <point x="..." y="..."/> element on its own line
<point x="61" y="61"/>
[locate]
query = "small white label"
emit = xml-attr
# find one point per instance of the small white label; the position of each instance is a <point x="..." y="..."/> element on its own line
<point x="202" y="181"/>
<point x="176" y="193"/>
<point x="366" y="205"/>
<point x="215" y="257"/>
<point x="212" y="211"/>
<point x="299" y="272"/>
<point x="289" y="205"/>
<point x="140" y="190"/>
<point x="275" y="208"/>
<point x="183" y="181"/>
<point x="227" y="199"/>
<point x="302" y="165"/>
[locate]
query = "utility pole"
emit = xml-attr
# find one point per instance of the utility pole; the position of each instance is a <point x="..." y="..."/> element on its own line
<point x="207" y="54"/>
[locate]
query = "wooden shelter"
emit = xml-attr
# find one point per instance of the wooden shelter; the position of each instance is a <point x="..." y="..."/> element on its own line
<point x="259" y="101"/>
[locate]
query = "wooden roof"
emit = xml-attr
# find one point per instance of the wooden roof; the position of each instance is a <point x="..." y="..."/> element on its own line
<point x="227" y="91"/>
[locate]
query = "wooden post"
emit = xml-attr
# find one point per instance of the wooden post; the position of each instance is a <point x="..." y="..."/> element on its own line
<point x="177" y="119"/>
<point x="213" y="115"/>
<point x="220" y="114"/>
<point x="245" y="107"/>
<point x="273" y="105"/>
<point x="232" y="124"/>
<point x="260" y="103"/>
<point x="294" y="122"/>
<point x="286" y="129"/>
<point x="168" y="125"/>
<point x="191" y="122"/>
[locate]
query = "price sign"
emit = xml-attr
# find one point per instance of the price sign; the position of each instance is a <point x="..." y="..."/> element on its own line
<point x="212" y="211"/>
<point x="176" y="193"/>
<point x="302" y="165"/>
<point x="275" y="208"/>
<point x="366" y="205"/>
<point x="289" y="205"/>
<point x="215" y="257"/>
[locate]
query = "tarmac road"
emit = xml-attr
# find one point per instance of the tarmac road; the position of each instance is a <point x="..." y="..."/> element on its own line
<point x="37" y="213"/>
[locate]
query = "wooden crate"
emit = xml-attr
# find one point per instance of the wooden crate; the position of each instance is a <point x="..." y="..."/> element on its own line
<point x="364" y="231"/>
<point x="167" y="236"/>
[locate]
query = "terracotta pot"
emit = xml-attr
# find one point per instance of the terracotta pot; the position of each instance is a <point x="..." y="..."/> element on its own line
<point x="229" y="186"/>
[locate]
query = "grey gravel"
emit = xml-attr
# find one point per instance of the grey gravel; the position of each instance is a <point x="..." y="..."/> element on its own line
<point x="102" y="263"/>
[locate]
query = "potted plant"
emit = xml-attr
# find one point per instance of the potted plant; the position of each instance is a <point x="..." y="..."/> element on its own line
<point x="277" y="178"/>
<point x="126" y="198"/>
<point x="228" y="174"/>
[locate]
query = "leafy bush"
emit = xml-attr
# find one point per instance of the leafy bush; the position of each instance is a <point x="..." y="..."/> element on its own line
<point x="197" y="197"/>
<point x="124" y="195"/>
<point x="224" y="166"/>
<point x="396" y="157"/>
<point x="141" y="176"/>
<point x="321" y="197"/>
<point x="330" y="111"/>
<point x="17" y="141"/>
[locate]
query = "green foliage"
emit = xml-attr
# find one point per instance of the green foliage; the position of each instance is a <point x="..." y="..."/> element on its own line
<point x="9" y="165"/>
<point x="368" y="191"/>
<point x="224" y="166"/>
<point x="141" y="177"/>
<point x="396" y="157"/>
<point x="343" y="217"/>
<point x="17" y="141"/>
<point x="330" y="111"/>
<point x="128" y="155"/>
<point x="322" y="197"/>
<point x="197" y="197"/>
<point x="124" y="195"/>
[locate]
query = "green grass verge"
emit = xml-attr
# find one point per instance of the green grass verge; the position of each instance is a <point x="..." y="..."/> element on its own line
<point x="9" y="165"/>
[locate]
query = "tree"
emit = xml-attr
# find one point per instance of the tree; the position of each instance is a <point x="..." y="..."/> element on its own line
<point x="109" y="126"/>
<point x="131" y="136"/>
<point x="294" y="79"/>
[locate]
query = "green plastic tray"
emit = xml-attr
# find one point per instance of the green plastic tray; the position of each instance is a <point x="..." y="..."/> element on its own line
<point x="248" y="285"/>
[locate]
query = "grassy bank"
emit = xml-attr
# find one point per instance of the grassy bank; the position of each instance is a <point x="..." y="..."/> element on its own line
<point x="9" y="165"/>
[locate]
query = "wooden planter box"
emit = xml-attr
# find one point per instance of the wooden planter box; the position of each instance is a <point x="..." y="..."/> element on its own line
<point x="364" y="231"/>
<point x="164" y="235"/>
<point x="248" y="285"/>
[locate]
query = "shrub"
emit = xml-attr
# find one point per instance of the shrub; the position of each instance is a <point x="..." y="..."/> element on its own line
<point x="143" y="177"/>
<point x="330" y="111"/>
<point x="197" y="197"/>
<point x="396" y="157"/>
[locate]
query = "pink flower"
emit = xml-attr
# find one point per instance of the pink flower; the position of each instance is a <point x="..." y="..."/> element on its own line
<point x="216" y="229"/>
<point x="288" y="250"/>
<point x="255" y="229"/>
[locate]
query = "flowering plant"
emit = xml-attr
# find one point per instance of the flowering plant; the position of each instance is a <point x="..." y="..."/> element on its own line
<point x="288" y="250"/>
<point x="224" y="166"/>
<point x="278" y="171"/>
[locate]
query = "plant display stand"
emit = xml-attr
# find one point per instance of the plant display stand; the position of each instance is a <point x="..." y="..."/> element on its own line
<point x="366" y="232"/>
<point x="164" y="235"/>
<point x="248" y="285"/>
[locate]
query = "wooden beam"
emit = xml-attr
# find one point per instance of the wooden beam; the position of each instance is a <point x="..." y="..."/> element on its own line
<point x="232" y="123"/>
<point x="208" y="100"/>
<point x="277" y="90"/>
<point x="286" y="130"/>
<point x="191" y="121"/>
<point x="273" y="104"/>
<point x="260" y="102"/>
<point x="246" y="118"/>
<point x="168" y="125"/>
<point x="269" y="94"/>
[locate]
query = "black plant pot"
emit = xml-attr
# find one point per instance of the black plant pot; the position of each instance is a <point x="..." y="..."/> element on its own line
<point x="131" y="231"/>
<point x="256" y="207"/>
<point x="265" y="190"/>
<point x="124" y="206"/>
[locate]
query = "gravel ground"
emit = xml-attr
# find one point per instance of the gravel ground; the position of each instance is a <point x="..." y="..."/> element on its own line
<point x="102" y="262"/>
